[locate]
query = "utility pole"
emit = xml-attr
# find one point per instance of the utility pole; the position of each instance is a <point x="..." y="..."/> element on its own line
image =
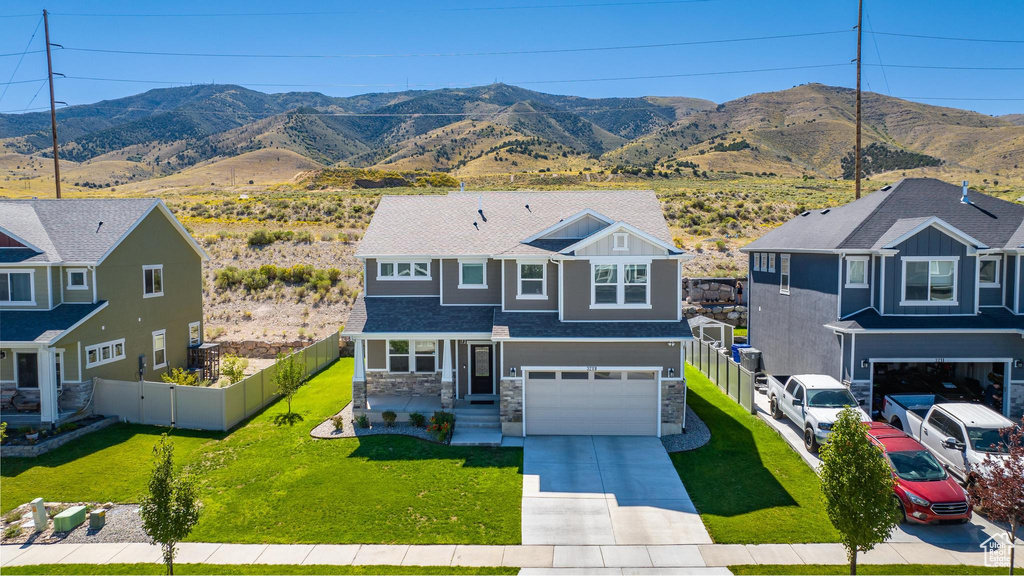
<point x="860" y="16"/>
<point x="53" y="104"/>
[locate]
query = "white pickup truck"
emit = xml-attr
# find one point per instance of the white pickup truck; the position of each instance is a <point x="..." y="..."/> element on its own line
<point x="812" y="402"/>
<point x="960" y="435"/>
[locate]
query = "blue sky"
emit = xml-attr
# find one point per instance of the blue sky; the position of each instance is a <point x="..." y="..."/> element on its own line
<point x="459" y="26"/>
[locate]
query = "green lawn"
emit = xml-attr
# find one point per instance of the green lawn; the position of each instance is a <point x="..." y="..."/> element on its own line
<point x="265" y="483"/>
<point x="881" y="569"/>
<point x="740" y="331"/>
<point x="159" y="569"/>
<point x="748" y="484"/>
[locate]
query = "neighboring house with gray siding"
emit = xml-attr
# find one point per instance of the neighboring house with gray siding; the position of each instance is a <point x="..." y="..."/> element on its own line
<point x="915" y="288"/>
<point x="562" y="310"/>
<point x="88" y="287"/>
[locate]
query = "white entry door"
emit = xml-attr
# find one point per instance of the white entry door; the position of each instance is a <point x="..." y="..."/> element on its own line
<point x="602" y="403"/>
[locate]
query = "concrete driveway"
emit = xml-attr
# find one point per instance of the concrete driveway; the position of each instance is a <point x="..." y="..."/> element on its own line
<point x="604" y="490"/>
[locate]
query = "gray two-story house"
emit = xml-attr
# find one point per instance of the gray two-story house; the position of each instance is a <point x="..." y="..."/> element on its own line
<point x="915" y="288"/>
<point x="559" y="309"/>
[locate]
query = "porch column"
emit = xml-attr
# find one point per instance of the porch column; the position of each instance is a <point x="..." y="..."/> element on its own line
<point x="359" y="376"/>
<point x="48" y="411"/>
<point x="447" y="382"/>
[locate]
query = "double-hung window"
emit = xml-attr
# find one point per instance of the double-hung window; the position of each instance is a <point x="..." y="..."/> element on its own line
<point x="152" y="281"/>
<point x="403" y="270"/>
<point x="104" y="353"/>
<point x="405" y="356"/>
<point x="78" y="279"/>
<point x="532" y="282"/>
<point x="17" y="287"/>
<point x="472" y="274"/>
<point x="784" y="274"/>
<point x="988" y="271"/>
<point x="159" y="349"/>
<point x="620" y="285"/>
<point x="771" y="262"/>
<point x="857" y="272"/>
<point x="929" y="281"/>
<point x="195" y="335"/>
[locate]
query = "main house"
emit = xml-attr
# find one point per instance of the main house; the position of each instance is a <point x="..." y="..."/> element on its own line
<point x="92" y="288"/>
<point x="560" y="308"/>
<point x="915" y="288"/>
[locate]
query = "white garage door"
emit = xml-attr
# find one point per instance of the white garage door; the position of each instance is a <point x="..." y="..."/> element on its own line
<point x="591" y="403"/>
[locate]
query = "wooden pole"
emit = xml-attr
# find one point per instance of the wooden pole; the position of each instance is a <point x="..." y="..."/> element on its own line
<point x="860" y="15"/>
<point x="53" y="104"/>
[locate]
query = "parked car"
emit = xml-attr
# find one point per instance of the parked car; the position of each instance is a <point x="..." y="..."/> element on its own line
<point x="926" y="493"/>
<point x="813" y="402"/>
<point x="960" y="435"/>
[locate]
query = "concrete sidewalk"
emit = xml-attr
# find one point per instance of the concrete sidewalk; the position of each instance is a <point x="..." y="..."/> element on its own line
<point x="616" y="559"/>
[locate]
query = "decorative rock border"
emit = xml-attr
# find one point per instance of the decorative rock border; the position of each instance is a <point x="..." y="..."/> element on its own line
<point x="33" y="450"/>
<point x="697" y="435"/>
<point x="325" y="430"/>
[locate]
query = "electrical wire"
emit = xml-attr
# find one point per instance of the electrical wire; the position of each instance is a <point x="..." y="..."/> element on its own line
<point x="21" y="59"/>
<point x="950" y="38"/>
<point x="878" y="53"/>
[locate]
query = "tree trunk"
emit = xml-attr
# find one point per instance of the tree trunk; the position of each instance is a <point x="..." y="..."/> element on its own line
<point x="169" y="558"/>
<point x="1012" y="548"/>
<point x="853" y="563"/>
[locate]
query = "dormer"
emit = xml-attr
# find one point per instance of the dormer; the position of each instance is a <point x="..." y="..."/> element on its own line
<point x="620" y="239"/>
<point x="576" y="227"/>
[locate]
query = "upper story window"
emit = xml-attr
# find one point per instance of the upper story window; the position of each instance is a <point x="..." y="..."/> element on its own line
<point x="857" y="272"/>
<point x="105" y="353"/>
<point x="784" y="274"/>
<point x="472" y="274"/>
<point x="532" y="281"/>
<point x="152" y="281"/>
<point x="988" y="271"/>
<point x="620" y="241"/>
<point x="78" y="279"/>
<point x="620" y="286"/>
<point x="405" y="356"/>
<point x="929" y="281"/>
<point x="17" y="287"/>
<point x="771" y="262"/>
<point x="757" y="261"/>
<point x="403" y="270"/>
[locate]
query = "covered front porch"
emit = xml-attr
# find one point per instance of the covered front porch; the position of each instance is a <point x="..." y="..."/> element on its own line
<point x="29" y="376"/>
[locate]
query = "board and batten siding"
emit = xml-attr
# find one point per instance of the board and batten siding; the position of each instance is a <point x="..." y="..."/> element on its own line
<point x="855" y="299"/>
<point x="375" y="287"/>
<point x="930" y="346"/>
<point x="452" y="294"/>
<point x="550" y="303"/>
<point x="635" y="246"/>
<point x="664" y="285"/>
<point x="930" y="242"/>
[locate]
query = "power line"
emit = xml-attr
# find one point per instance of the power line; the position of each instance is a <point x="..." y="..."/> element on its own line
<point x="878" y="53"/>
<point x="22" y="58"/>
<point x="962" y="99"/>
<point x="459" y="54"/>
<point x="951" y="38"/>
<point x="971" y="68"/>
<point x="10" y="54"/>
<point x="8" y="83"/>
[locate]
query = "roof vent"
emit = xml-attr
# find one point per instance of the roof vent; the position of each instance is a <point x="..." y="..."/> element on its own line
<point x="98" y="226"/>
<point x="963" y="198"/>
<point x="806" y="213"/>
<point x="462" y="186"/>
<point x="528" y="208"/>
<point x="826" y="210"/>
<point x="886" y="188"/>
<point x="480" y="207"/>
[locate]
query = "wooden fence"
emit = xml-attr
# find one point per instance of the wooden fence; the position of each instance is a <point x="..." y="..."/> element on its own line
<point x="736" y="381"/>
<point x="162" y="404"/>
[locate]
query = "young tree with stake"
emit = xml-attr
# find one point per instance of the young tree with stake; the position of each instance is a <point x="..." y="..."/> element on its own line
<point x="999" y="488"/>
<point x="171" y="508"/>
<point x="857" y="487"/>
<point x="288" y="376"/>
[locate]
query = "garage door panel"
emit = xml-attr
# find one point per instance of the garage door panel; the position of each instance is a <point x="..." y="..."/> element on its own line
<point x="591" y="407"/>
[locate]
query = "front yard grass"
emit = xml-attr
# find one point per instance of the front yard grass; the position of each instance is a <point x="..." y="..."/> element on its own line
<point x="159" y="569"/>
<point x="265" y="483"/>
<point x="747" y="483"/>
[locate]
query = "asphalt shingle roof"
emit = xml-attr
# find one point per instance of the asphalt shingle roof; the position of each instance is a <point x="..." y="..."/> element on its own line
<point x="42" y="325"/>
<point x="415" y="315"/>
<point x="886" y="214"/>
<point x="987" y="319"/>
<point x="450" y="225"/>
<point x="547" y="325"/>
<point x="69" y="230"/>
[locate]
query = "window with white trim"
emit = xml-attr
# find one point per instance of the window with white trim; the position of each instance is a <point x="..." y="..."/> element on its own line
<point x="757" y="261"/>
<point x="929" y="281"/>
<point x="404" y="270"/>
<point x="532" y="281"/>
<point x="195" y="334"/>
<point x="472" y="274"/>
<point x="159" y="349"/>
<point x="78" y="279"/>
<point x="771" y="262"/>
<point x="620" y="285"/>
<point x="620" y="241"/>
<point x="784" y="274"/>
<point x="857" y="272"/>
<point x="988" y="271"/>
<point x="104" y="353"/>
<point x="152" y="281"/>
<point x="17" y="287"/>
<point x="407" y="356"/>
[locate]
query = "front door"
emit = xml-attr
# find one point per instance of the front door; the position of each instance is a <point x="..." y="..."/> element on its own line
<point x="28" y="369"/>
<point x="481" y="379"/>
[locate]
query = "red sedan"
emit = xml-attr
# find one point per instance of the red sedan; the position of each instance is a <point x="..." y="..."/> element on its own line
<point x="926" y="493"/>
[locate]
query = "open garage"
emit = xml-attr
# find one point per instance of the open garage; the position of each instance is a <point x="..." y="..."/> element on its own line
<point x="982" y="381"/>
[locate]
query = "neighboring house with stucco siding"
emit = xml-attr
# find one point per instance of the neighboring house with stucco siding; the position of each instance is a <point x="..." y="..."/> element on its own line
<point x="92" y="288"/>
<point x="525" y="312"/>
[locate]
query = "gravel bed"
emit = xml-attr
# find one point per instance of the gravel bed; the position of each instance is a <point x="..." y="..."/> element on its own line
<point x="696" y="435"/>
<point x="123" y="525"/>
<point x="325" y="430"/>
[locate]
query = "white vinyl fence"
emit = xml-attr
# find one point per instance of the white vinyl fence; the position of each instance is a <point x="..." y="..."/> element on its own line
<point x="162" y="404"/>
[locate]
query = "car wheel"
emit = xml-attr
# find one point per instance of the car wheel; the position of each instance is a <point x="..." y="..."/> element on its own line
<point x="897" y="423"/>
<point x="774" y="407"/>
<point x="810" y="442"/>
<point x="903" y="511"/>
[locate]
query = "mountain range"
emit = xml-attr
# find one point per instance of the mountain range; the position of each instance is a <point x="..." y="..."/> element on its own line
<point x="499" y="129"/>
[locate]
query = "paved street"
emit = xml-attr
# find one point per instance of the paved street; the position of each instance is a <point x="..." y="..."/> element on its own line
<point x="605" y="490"/>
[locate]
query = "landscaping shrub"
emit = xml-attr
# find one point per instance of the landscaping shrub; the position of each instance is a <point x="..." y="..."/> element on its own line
<point x="389" y="417"/>
<point x="442" y="424"/>
<point x="339" y="422"/>
<point x="182" y="377"/>
<point x="362" y="421"/>
<point x="418" y="420"/>
<point x="233" y="367"/>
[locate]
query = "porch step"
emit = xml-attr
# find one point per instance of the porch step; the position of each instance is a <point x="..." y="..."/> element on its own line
<point x="488" y="424"/>
<point x="476" y="437"/>
<point x="477" y="416"/>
